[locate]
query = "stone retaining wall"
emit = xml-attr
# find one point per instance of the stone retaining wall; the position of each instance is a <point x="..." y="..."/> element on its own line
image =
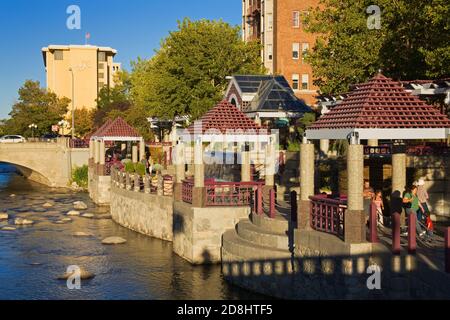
<point x="149" y="214"/>
<point x="197" y="232"/>
<point x="99" y="188"/>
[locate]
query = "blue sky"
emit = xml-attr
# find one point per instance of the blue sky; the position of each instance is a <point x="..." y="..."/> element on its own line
<point x="133" y="27"/>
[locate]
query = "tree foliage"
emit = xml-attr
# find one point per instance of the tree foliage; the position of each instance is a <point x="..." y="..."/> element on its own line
<point x="412" y="43"/>
<point x="84" y="121"/>
<point x="188" y="73"/>
<point x="35" y="106"/>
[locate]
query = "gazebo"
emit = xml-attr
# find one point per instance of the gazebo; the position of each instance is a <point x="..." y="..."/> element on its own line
<point x="225" y="124"/>
<point x="112" y="131"/>
<point x="378" y="109"/>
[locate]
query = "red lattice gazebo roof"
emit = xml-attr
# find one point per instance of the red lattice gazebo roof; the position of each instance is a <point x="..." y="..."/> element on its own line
<point x="226" y="119"/>
<point x="117" y="130"/>
<point x="381" y="109"/>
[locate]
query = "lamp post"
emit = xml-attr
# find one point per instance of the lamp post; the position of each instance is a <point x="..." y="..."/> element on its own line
<point x="63" y="124"/>
<point x="73" y="103"/>
<point x="32" y="127"/>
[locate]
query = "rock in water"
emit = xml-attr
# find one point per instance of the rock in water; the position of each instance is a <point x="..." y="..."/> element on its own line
<point x="23" y="222"/>
<point x="73" y="213"/>
<point x="84" y="275"/>
<point x="79" y="205"/>
<point x="8" y="228"/>
<point x="47" y="205"/>
<point x="82" y="234"/>
<point x="4" y="216"/>
<point x="87" y="215"/>
<point x="12" y="195"/>
<point x="113" y="240"/>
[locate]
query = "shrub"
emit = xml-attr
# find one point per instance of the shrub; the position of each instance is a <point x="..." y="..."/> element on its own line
<point x="80" y="176"/>
<point x="293" y="146"/>
<point x="139" y="168"/>
<point x="129" y="167"/>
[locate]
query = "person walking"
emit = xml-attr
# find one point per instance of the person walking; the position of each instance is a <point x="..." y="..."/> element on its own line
<point x="422" y="194"/>
<point x="378" y="201"/>
<point x="412" y="206"/>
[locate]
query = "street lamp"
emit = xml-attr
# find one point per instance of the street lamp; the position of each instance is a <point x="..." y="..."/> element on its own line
<point x="32" y="127"/>
<point x="63" y="124"/>
<point x="73" y="104"/>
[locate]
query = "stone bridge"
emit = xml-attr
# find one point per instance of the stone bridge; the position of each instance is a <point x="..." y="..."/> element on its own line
<point x="49" y="163"/>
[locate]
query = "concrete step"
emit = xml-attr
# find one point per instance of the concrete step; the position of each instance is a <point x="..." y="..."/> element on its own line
<point x="249" y="251"/>
<point x="252" y="233"/>
<point x="278" y="225"/>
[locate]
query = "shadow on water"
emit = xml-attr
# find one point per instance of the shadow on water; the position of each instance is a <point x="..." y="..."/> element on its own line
<point x="144" y="268"/>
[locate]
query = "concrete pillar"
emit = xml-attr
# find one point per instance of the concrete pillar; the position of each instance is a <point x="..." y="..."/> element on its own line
<point x="306" y="185"/>
<point x="324" y="147"/>
<point x="355" y="218"/>
<point x="91" y="149"/>
<point x="372" y="142"/>
<point x="245" y="165"/>
<point x="102" y="153"/>
<point x="142" y="150"/>
<point x="399" y="173"/>
<point x="96" y="151"/>
<point x="123" y="146"/>
<point x="180" y="173"/>
<point x="198" y="194"/>
<point x="134" y="154"/>
<point x="270" y="165"/>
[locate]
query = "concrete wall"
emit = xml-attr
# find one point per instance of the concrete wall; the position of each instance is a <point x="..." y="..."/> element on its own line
<point x="148" y="214"/>
<point x="79" y="157"/>
<point x="99" y="188"/>
<point x="197" y="232"/>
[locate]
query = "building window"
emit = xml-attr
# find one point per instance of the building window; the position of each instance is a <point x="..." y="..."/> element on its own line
<point x="296" y="19"/>
<point x="269" y="21"/>
<point x="295" y="81"/>
<point x="59" y="54"/>
<point x="101" y="66"/>
<point x="305" y="49"/>
<point x="295" y="50"/>
<point x="269" y="52"/>
<point x="305" y="81"/>
<point x="102" y="56"/>
<point x="101" y="75"/>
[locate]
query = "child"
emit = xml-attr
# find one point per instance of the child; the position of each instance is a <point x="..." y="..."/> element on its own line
<point x="378" y="201"/>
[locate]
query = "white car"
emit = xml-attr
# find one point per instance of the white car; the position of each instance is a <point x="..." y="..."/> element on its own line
<point x="12" y="139"/>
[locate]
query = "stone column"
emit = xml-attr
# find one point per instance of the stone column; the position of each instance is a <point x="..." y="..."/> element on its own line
<point x="123" y="146"/>
<point x="399" y="173"/>
<point x="372" y="142"/>
<point x="245" y="165"/>
<point x="101" y="158"/>
<point x="91" y="149"/>
<point x="306" y="185"/>
<point x="270" y="164"/>
<point x="134" y="154"/>
<point x="142" y="149"/>
<point x="180" y="174"/>
<point x="96" y="152"/>
<point x="324" y="147"/>
<point x="198" y="195"/>
<point x="355" y="218"/>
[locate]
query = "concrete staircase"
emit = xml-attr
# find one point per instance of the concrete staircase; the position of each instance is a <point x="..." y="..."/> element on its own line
<point x="258" y="238"/>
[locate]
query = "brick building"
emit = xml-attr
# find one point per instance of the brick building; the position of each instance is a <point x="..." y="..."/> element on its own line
<point x="278" y="24"/>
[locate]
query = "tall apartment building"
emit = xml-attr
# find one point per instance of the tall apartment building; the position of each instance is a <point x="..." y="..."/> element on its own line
<point x="92" y="68"/>
<point x="278" y="25"/>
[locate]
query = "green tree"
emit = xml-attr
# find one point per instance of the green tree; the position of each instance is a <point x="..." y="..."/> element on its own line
<point x="35" y="105"/>
<point x="188" y="73"/>
<point x="84" y="121"/>
<point x="412" y="43"/>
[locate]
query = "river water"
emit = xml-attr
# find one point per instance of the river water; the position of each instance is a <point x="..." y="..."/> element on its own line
<point x="31" y="258"/>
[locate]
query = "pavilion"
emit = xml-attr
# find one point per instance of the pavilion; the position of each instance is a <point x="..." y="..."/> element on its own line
<point x="378" y="109"/>
<point x="113" y="131"/>
<point x="223" y="125"/>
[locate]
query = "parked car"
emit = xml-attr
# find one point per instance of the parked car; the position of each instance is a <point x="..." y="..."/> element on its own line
<point x="12" y="139"/>
<point x="48" y="137"/>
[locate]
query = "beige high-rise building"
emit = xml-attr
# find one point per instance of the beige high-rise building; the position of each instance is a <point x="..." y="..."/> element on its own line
<point x="91" y="67"/>
<point x="278" y="25"/>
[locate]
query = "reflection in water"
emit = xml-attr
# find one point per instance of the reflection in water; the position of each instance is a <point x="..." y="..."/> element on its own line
<point x="31" y="258"/>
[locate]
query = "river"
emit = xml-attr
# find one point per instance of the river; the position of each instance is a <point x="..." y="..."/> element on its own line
<point x="31" y="258"/>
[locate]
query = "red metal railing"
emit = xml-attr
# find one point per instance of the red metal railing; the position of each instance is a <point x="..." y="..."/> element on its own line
<point x="186" y="191"/>
<point x="78" y="144"/>
<point x="230" y="193"/>
<point x="328" y="215"/>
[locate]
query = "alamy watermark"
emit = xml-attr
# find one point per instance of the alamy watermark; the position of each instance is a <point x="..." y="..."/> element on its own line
<point x="74" y="277"/>
<point x="374" y="280"/>
<point x="73" y="22"/>
<point x="374" y="18"/>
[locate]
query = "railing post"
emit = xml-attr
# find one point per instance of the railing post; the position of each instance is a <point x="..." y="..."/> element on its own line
<point x="373" y="232"/>
<point x="447" y="250"/>
<point x="127" y="181"/>
<point x="137" y="182"/>
<point x="412" y="233"/>
<point x="147" y="184"/>
<point x="259" y="200"/>
<point x="272" y="203"/>
<point x="396" y="233"/>
<point x="294" y="206"/>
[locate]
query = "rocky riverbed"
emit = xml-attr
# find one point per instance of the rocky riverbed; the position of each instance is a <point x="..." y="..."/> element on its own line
<point x="34" y="257"/>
